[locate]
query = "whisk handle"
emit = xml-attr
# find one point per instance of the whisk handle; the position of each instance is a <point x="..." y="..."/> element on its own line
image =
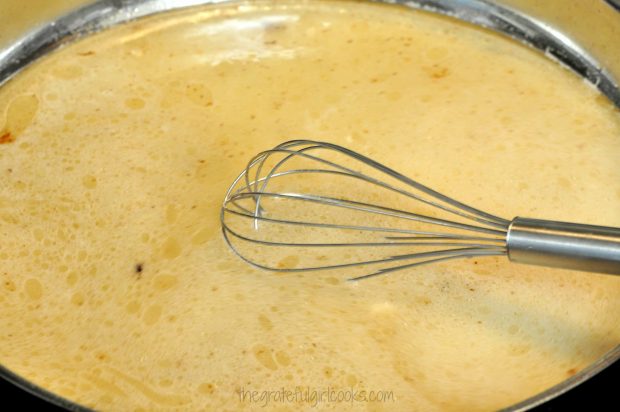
<point x="565" y="245"/>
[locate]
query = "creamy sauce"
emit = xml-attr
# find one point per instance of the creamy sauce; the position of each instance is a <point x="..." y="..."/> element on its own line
<point x="116" y="287"/>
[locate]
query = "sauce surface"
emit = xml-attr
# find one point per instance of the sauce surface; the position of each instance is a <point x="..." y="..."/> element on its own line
<point x="118" y="291"/>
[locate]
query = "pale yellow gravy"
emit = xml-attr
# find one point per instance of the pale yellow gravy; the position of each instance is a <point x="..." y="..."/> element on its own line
<point x="117" y="152"/>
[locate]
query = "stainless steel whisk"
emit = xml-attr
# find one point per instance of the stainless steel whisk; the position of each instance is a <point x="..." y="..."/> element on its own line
<point x="308" y="205"/>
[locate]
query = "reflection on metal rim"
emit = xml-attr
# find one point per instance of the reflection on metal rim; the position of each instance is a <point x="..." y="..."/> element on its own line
<point x="614" y="3"/>
<point x="563" y="387"/>
<point x="107" y="13"/>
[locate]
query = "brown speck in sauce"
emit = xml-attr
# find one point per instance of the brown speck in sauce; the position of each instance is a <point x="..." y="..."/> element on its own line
<point x="437" y="72"/>
<point x="138" y="269"/>
<point x="6" y="137"/>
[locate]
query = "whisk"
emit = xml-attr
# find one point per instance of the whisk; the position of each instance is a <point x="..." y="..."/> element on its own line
<point x="308" y="205"/>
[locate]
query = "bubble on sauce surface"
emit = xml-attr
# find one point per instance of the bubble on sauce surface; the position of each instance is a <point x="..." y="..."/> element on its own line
<point x="135" y="103"/>
<point x="164" y="282"/>
<point x="33" y="289"/>
<point x="170" y="248"/>
<point x="152" y="314"/>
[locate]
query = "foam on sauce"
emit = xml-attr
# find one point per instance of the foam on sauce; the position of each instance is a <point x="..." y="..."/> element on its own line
<point x="116" y="287"/>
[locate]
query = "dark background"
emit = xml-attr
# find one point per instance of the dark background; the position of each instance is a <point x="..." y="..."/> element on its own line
<point x="598" y="393"/>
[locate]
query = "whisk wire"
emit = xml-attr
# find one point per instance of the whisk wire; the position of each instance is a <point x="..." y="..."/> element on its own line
<point x="475" y="214"/>
<point x="259" y="175"/>
<point x="394" y="174"/>
<point x="363" y="207"/>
